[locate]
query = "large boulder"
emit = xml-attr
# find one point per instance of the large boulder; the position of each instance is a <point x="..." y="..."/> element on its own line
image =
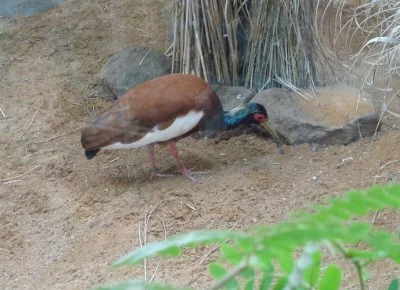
<point x="25" y="7"/>
<point x="334" y="119"/>
<point x="131" y="66"/>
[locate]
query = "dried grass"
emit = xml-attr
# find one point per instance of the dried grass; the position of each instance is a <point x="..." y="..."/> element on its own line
<point x="377" y="23"/>
<point x="248" y="42"/>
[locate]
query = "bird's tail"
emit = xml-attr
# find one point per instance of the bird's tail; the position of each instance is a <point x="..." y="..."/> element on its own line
<point x="91" y="153"/>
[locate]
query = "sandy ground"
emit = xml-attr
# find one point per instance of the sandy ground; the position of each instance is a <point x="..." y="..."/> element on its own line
<point x="64" y="219"/>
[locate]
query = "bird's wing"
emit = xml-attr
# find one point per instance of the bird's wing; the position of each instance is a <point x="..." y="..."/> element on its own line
<point x="117" y="124"/>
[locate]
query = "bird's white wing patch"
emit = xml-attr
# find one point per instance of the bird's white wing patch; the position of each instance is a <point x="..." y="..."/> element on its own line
<point x="180" y="126"/>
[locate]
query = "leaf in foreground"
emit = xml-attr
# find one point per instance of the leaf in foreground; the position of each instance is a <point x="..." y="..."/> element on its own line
<point x="331" y="278"/>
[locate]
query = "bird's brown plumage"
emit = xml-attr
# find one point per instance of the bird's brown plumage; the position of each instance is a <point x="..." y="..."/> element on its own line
<point x="157" y="102"/>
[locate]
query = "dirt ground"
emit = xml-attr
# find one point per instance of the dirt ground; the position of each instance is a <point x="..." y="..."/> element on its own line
<point x="64" y="219"/>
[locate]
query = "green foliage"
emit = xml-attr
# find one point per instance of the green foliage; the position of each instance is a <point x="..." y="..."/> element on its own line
<point x="171" y="246"/>
<point x="216" y="270"/>
<point x="137" y="285"/>
<point x="231" y="254"/>
<point x="394" y="285"/>
<point x="264" y="257"/>
<point x="311" y="273"/>
<point x="330" y="279"/>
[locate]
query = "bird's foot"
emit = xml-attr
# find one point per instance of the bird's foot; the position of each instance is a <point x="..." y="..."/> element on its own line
<point x="154" y="172"/>
<point x="189" y="173"/>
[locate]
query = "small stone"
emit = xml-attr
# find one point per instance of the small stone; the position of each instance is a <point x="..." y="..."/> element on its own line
<point x="314" y="178"/>
<point x="314" y="148"/>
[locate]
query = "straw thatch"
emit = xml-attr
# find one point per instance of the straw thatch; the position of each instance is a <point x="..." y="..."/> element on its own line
<point x="255" y="43"/>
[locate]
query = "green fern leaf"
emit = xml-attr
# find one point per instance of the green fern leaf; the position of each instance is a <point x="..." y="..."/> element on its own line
<point x="249" y="285"/>
<point x="266" y="280"/>
<point x="247" y="273"/>
<point x="280" y="283"/>
<point x="330" y="280"/>
<point x="232" y="284"/>
<point x="311" y="273"/>
<point x="231" y="254"/>
<point x="394" y="285"/>
<point x="245" y="245"/>
<point x="285" y="260"/>
<point x="216" y="270"/>
<point x="261" y="260"/>
<point x="170" y="252"/>
<point x="201" y="237"/>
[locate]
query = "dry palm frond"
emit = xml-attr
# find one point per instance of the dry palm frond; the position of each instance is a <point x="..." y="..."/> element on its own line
<point x="248" y="42"/>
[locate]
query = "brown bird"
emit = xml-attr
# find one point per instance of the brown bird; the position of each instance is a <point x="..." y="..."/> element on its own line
<point x="164" y="110"/>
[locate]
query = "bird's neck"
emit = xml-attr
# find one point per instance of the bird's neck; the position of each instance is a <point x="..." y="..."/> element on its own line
<point x="233" y="119"/>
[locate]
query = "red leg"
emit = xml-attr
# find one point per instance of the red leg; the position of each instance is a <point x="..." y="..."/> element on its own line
<point x="184" y="170"/>
<point x="153" y="168"/>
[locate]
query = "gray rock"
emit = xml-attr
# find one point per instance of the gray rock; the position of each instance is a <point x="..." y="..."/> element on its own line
<point x="132" y="66"/>
<point x="233" y="96"/>
<point x="167" y="13"/>
<point x="333" y="120"/>
<point x="25" y="7"/>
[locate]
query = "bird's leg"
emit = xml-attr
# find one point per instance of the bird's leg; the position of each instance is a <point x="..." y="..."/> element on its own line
<point x="184" y="170"/>
<point x="153" y="168"/>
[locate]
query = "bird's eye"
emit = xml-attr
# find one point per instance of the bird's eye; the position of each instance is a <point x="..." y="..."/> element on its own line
<point x="260" y="118"/>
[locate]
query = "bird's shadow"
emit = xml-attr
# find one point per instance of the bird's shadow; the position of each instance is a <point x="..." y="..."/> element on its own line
<point x="133" y="175"/>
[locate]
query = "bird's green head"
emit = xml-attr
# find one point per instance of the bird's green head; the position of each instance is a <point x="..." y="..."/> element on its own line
<point x="250" y="113"/>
